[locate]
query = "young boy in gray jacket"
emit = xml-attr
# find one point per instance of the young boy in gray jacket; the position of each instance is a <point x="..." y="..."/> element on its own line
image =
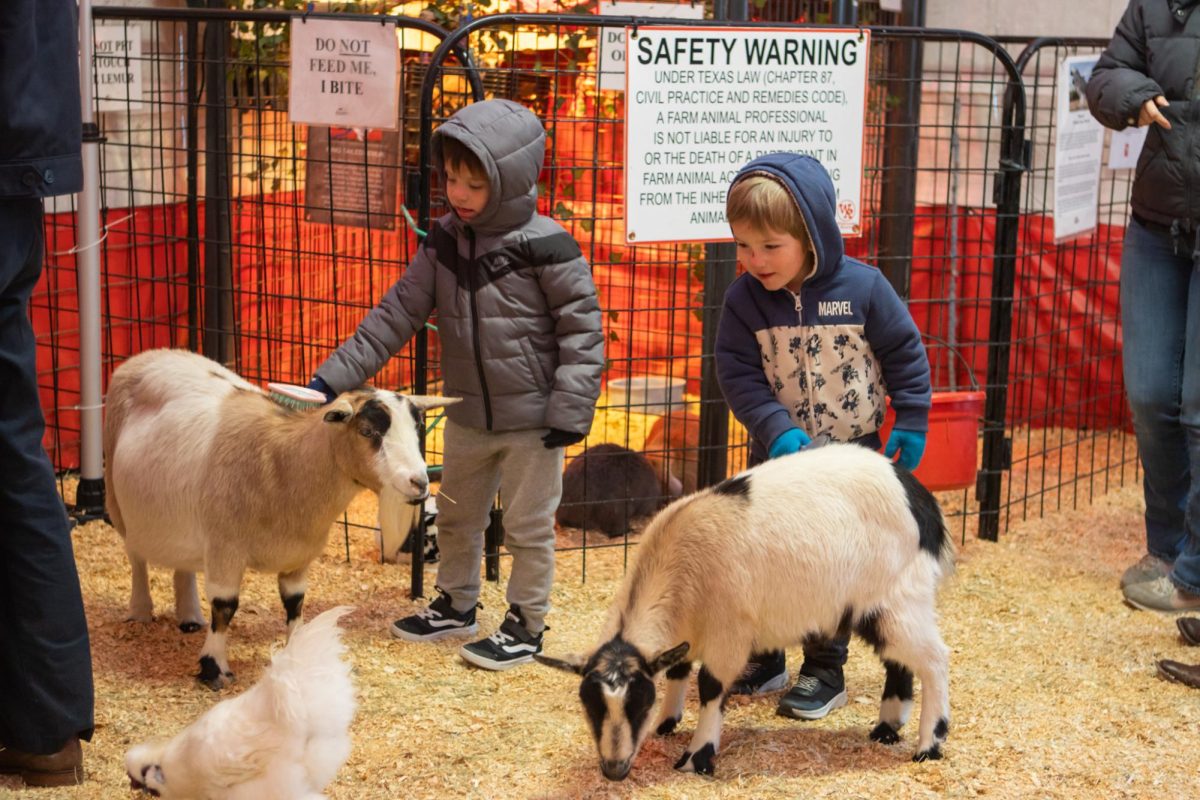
<point x="520" y="331"/>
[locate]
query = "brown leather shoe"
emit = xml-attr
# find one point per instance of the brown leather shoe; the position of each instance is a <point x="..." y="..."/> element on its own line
<point x="1187" y="674"/>
<point x="1189" y="629"/>
<point x="64" y="768"/>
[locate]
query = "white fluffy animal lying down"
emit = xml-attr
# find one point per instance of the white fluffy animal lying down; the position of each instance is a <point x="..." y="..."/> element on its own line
<point x="283" y="739"/>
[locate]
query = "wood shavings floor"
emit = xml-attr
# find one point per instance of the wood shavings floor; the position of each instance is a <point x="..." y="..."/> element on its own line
<point x="1053" y="686"/>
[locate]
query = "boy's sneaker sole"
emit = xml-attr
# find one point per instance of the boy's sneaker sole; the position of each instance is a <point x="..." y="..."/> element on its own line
<point x="488" y="663"/>
<point x="454" y="631"/>
<point x="835" y="702"/>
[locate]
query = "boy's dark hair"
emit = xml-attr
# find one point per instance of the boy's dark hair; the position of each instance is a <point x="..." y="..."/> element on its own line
<point x="762" y="203"/>
<point x="457" y="155"/>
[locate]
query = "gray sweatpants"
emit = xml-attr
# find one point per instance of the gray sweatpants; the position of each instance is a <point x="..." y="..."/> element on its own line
<point x="477" y="464"/>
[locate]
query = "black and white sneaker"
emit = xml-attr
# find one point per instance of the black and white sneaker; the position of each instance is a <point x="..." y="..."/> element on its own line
<point x="436" y="621"/>
<point x="813" y="697"/>
<point x="508" y="647"/>
<point x="766" y="673"/>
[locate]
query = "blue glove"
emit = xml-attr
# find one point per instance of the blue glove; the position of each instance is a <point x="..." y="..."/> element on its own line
<point x="910" y="445"/>
<point x="788" y="442"/>
<point x="321" y="386"/>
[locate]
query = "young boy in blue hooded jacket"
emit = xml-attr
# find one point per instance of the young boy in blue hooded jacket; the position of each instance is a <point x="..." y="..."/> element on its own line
<point x="811" y="342"/>
<point x="520" y="331"/>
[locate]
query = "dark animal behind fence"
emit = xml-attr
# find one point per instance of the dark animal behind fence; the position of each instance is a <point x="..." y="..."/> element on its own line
<point x="607" y="487"/>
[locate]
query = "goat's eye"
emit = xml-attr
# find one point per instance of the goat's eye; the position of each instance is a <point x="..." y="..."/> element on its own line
<point x="366" y="430"/>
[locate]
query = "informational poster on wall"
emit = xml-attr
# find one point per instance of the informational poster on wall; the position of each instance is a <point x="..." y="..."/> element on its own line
<point x="351" y="176"/>
<point x="119" y="67"/>
<point x="701" y="103"/>
<point x="612" y="40"/>
<point x="1078" y="152"/>
<point x="343" y="73"/>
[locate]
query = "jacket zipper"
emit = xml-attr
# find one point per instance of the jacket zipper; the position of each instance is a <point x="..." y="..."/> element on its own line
<point x="804" y="355"/>
<point x="483" y="388"/>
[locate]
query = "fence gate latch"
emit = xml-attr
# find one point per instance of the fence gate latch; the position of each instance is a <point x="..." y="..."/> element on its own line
<point x="1010" y="168"/>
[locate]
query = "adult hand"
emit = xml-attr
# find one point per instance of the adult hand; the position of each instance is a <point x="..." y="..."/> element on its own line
<point x="909" y="444"/>
<point x="560" y="438"/>
<point x="790" y="441"/>
<point x="1150" y="113"/>
<point x="319" y="384"/>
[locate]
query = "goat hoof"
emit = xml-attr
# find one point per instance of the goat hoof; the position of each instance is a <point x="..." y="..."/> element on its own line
<point x="667" y="726"/>
<point x="218" y="683"/>
<point x="190" y="627"/>
<point x="884" y="734"/>
<point x="699" y="762"/>
<point x="931" y="754"/>
<point x="212" y="675"/>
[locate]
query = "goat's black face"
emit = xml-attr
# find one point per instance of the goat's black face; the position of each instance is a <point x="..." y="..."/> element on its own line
<point x="617" y="693"/>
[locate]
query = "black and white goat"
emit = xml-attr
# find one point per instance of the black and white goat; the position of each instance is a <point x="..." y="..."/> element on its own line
<point x="825" y="541"/>
<point x="205" y="472"/>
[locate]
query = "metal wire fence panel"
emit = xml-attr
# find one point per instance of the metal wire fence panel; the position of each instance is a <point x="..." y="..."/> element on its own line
<point x="1070" y="424"/>
<point x="933" y="140"/>
<point x="231" y="231"/>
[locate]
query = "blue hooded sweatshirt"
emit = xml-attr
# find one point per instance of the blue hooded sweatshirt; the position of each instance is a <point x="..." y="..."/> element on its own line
<point x="823" y="359"/>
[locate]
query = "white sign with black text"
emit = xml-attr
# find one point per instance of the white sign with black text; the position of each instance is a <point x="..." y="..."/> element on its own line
<point x="118" y="67"/>
<point x="701" y="103"/>
<point x="612" y="47"/>
<point x="1078" y="150"/>
<point x="343" y="74"/>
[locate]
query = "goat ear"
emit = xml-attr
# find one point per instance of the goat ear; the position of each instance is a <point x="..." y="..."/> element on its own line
<point x="340" y="411"/>
<point x="424" y="402"/>
<point x="669" y="658"/>
<point x="568" y="663"/>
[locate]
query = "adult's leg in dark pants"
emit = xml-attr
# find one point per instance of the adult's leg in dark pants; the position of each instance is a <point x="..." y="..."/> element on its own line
<point x="45" y="658"/>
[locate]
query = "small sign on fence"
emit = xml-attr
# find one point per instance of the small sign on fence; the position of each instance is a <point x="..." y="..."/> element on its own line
<point x="118" y="67"/>
<point x="612" y="40"/>
<point x="1077" y="152"/>
<point x="343" y="73"/>
<point x="1125" y="147"/>
<point x="701" y="103"/>
<point x="351" y="177"/>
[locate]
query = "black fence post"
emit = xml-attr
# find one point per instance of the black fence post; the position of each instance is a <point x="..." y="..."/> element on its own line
<point x="720" y="268"/>
<point x="1006" y="194"/>
<point x="493" y="537"/>
<point x="898" y="178"/>
<point x="218" y="191"/>
<point x="845" y="12"/>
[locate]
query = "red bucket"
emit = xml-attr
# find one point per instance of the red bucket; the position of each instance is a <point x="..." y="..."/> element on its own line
<point x="952" y="445"/>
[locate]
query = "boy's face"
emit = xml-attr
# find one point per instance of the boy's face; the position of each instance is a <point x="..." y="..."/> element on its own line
<point x="777" y="260"/>
<point x="467" y="193"/>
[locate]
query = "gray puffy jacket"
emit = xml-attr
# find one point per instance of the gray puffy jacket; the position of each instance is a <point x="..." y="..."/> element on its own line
<point x="517" y="313"/>
<point x="1156" y="50"/>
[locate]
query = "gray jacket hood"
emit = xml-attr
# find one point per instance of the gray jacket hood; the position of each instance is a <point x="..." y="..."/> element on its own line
<point x="510" y="142"/>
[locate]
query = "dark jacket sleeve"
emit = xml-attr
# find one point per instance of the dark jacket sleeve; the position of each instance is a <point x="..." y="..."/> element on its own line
<point x="744" y="382"/>
<point x="40" y="128"/>
<point x="386" y="327"/>
<point x="1119" y="85"/>
<point x="572" y="301"/>
<point x="903" y="362"/>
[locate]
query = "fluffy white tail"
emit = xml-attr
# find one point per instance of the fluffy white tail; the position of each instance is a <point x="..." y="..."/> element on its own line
<point x="309" y="680"/>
